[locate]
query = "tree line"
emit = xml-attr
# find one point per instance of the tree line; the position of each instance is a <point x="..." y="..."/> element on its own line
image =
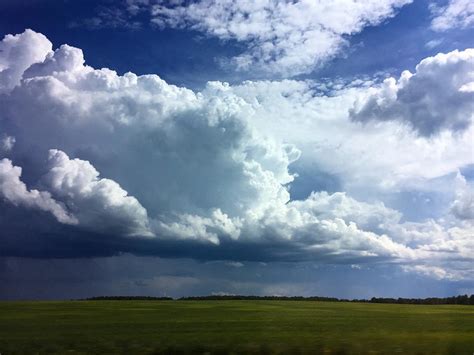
<point x="461" y="299"/>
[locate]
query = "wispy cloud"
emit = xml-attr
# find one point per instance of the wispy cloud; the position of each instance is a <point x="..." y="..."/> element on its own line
<point x="282" y="37"/>
<point x="456" y="14"/>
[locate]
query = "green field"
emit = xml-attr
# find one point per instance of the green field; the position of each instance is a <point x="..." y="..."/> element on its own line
<point x="233" y="327"/>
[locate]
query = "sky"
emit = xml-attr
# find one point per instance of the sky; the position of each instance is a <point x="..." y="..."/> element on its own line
<point x="272" y="147"/>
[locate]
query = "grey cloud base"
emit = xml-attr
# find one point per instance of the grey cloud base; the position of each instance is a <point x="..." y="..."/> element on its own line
<point x="101" y="164"/>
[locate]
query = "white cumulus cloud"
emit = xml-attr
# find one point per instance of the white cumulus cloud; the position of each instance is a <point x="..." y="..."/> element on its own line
<point x="100" y="204"/>
<point x="433" y="98"/>
<point x="17" y="53"/>
<point x="15" y="191"/>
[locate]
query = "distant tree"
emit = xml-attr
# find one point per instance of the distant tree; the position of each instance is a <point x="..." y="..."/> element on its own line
<point x="461" y="299"/>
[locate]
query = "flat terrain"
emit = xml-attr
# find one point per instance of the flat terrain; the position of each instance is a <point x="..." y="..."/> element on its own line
<point x="233" y="327"/>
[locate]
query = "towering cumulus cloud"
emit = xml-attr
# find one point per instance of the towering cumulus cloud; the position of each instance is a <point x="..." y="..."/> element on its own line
<point x="103" y="164"/>
<point x="17" y="53"/>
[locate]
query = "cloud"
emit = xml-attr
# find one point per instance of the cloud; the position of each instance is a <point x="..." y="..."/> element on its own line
<point x="208" y="174"/>
<point x="235" y="264"/>
<point x="80" y="197"/>
<point x="463" y="205"/>
<point x="456" y="14"/>
<point x="110" y="17"/>
<point x="433" y="43"/>
<point x="335" y="226"/>
<point x="15" y="191"/>
<point x="285" y="38"/>
<point x="126" y="274"/>
<point x="436" y="97"/>
<point x="100" y="204"/>
<point x="194" y="227"/>
<point x="431" y="271"/>
<point x="17" y="53"/>
<point x="316" y="116"/>
<point x="7" y="143"/>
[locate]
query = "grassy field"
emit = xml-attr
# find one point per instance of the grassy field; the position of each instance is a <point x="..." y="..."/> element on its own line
<point x="233" y="327"/>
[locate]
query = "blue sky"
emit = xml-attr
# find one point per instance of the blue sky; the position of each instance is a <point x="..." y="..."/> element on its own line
<point x="189" y="148"/>
<point x="185" y="57"/>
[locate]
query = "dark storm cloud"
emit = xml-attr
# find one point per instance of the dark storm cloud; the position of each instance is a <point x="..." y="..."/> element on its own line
<point x="24" y="278"/>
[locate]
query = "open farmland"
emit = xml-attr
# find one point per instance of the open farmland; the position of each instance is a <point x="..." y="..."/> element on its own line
<point x="233" y="327"/>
